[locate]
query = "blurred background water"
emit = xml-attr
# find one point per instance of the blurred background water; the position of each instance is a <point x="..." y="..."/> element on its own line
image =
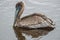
<point x="50" y="8"/>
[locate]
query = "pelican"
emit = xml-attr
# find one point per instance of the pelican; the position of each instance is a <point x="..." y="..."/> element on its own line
<point x="34" y="21"/>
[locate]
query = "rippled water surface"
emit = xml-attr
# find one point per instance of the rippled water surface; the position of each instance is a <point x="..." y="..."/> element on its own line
<point x="50" y="8"/>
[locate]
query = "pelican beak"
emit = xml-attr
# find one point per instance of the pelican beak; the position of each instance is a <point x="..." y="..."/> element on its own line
<point x="18" y="8"/>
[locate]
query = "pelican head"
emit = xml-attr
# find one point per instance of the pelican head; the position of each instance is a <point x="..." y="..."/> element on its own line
<point x="19" y="8"/>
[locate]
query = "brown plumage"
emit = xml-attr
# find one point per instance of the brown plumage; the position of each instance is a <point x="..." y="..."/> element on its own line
<point x="34" y="23"/>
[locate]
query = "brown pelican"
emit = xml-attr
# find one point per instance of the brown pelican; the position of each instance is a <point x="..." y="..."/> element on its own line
<point x="30" y="24"/>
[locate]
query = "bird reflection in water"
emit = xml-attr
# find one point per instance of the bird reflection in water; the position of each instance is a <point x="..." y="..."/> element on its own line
<point x="35" y="25"/>
<point x="35" y="33"/>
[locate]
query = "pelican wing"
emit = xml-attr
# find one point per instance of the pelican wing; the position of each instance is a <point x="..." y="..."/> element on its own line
<point x="33" y="21"/>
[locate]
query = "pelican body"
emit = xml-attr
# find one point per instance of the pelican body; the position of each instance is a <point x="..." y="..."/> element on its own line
<point x="32" y="22"/>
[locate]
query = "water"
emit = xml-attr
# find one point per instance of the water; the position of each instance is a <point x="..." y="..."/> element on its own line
<point x="51" y="8"/>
